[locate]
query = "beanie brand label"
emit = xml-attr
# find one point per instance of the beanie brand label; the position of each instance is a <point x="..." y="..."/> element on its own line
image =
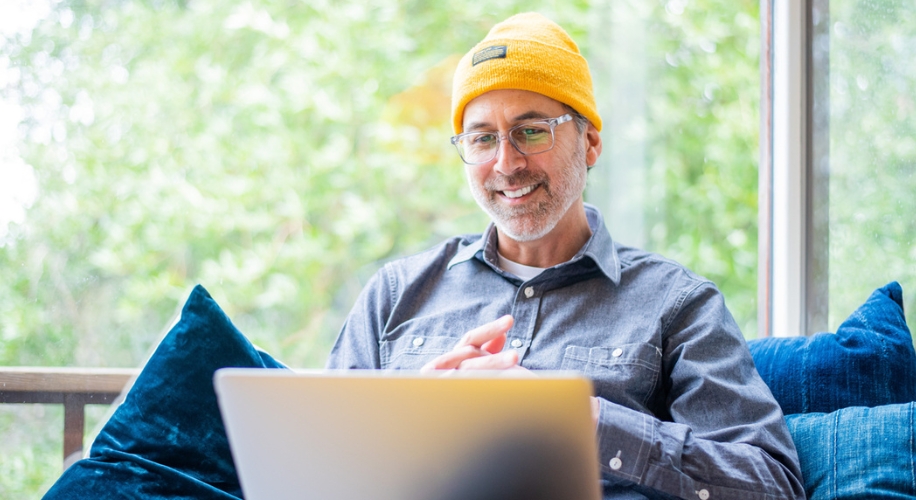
<point x="494" y="52"/>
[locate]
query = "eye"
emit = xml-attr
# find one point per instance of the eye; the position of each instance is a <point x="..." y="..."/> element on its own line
<point x="531" y="132"/>
<point x="480" y="140"/>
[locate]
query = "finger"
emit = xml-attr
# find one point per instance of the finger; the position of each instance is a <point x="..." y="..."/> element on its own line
<point x="519" y="371"/>
<point x="484" y="340"/>
<point x="501" y="361"/>
<point x="485" y="333"/>
<point x="596" y="411"/>
<point x="494" y="346"/>
<point x="452" y="359"/>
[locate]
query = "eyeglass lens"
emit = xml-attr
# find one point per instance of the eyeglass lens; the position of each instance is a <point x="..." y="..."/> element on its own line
<point x="527" y="138"/>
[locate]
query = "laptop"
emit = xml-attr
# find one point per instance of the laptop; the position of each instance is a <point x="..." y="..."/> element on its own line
<point x="399" y="435"/>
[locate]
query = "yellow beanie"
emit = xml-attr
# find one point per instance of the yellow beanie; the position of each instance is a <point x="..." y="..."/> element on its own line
<point x="525" y="52"/>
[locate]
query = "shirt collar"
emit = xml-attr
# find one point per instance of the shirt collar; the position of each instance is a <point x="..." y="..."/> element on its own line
<point x="599" y="248"/>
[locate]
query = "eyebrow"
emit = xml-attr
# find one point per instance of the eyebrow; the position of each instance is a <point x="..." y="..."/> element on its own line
<point x="530" y="115"/>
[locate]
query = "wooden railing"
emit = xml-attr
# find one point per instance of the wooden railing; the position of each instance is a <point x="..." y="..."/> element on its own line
<point x="72" y="387"/>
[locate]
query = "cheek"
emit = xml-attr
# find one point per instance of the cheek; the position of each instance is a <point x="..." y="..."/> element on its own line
<point x="568" y="149"/>
<point x="476" y="174"/>
<point x="556" y="163"/>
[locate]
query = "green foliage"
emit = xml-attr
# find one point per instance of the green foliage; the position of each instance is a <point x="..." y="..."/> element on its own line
<point x="680" y="175"/>
<point x="30" y="456"/>
<point x="277" y="152"/>
<point x="248" y="147"/>
<point x="872" y="153"/>
<point x="703" y="146"/>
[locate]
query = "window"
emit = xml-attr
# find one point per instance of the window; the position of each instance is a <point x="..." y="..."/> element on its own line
<point x="872" y="141"/>
<point x="678" y="85"/>
<point x="278" y="153"/>
<point x="841" y="154"/>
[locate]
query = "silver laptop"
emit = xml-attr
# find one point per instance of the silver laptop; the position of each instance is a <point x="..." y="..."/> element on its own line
<point x="387" y="435"/>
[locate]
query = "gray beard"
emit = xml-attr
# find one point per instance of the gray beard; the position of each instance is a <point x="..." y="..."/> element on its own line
<point x="531" y="223"/>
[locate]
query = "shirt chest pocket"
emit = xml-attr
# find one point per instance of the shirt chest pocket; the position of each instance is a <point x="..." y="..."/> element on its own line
<point x="627" y="374"/>
<point x="411" y="352"/>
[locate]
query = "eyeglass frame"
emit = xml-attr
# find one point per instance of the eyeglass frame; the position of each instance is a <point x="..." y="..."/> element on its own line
<point x="552" y="122"/>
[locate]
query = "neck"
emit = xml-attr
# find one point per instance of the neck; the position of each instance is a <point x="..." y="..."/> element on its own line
<point x="559" y="245"/>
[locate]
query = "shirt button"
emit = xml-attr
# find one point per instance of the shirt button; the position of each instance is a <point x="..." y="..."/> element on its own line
<point x="617" y="352"/>
<point x="703" y="494"/>
<point x="616" y="463"/>
<point x="529" y="292"/>
<point x="417" y="342"/>
<point x="516" y="343"/>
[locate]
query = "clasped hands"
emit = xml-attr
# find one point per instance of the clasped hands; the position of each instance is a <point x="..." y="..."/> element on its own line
<point x="482" y="349"/>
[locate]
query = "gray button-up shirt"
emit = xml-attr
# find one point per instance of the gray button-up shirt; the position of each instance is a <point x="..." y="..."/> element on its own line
<point x="683" y="411"/>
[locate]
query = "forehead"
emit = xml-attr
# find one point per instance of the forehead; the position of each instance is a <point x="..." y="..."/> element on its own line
<point x="505" y="107"/>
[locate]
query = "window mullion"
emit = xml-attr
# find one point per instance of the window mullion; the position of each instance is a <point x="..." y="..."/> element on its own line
<point x="794" y="168"/>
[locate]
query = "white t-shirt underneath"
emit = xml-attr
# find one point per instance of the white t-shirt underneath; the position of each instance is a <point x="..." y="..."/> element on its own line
<point x="522" y="271"/>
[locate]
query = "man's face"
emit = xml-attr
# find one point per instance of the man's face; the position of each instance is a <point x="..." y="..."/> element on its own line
<point x="526" y="196"/>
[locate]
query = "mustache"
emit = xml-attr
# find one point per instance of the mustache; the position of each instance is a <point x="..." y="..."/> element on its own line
<point x="520" y="178"/>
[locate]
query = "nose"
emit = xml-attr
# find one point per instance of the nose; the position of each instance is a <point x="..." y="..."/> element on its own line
<point x="508" y="159"/>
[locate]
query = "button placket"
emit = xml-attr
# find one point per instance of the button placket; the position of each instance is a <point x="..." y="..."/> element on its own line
<point x="525" y="309"/>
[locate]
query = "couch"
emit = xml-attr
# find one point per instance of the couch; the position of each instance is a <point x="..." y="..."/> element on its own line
<point x="848" y="400"/>
<point x="847" y="396"/>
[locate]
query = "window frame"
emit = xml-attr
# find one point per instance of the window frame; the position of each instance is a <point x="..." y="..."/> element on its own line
<point x="793" y="192"/>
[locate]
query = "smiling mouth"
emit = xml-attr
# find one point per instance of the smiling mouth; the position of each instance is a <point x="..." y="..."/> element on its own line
<point x="518" y="193"/>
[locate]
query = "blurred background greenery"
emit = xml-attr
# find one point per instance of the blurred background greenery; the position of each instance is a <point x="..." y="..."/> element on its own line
<point x="278" y="151"/>
<point x="872" y="165"/>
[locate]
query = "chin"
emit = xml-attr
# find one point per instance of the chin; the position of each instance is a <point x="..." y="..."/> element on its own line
<point x="525" y="232"/>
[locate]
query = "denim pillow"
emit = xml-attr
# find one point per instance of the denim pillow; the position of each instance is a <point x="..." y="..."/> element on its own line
<point x="857" y="452"/>
<point x="869" y="361"/>
<point x="167" y="440"/>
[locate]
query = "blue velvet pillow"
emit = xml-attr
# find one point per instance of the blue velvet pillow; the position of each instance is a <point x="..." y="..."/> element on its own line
<point x="869" y="361"/>
<point x="167" y="440"/>
<point x="858" y="452"/>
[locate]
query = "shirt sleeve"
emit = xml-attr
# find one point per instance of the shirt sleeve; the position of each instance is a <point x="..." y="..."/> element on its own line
<point x="357" y="345"/>
<point x="723" y="437"/>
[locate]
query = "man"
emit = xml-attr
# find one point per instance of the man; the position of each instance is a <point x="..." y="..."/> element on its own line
<point x="679" y="408"/>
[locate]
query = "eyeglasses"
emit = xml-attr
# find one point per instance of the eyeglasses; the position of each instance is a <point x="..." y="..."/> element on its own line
<point x="529" y="138"/>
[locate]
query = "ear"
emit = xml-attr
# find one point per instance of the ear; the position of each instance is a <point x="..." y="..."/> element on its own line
<point x="592" y="145"/>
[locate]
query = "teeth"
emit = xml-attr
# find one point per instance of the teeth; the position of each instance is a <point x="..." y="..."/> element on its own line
<point x="520" y="192"/>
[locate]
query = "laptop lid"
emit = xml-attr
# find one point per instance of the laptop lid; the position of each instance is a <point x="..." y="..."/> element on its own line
<point x="407" y="436"/>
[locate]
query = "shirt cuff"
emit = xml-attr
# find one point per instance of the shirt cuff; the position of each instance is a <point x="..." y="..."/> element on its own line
<point x="625" y="439"/>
